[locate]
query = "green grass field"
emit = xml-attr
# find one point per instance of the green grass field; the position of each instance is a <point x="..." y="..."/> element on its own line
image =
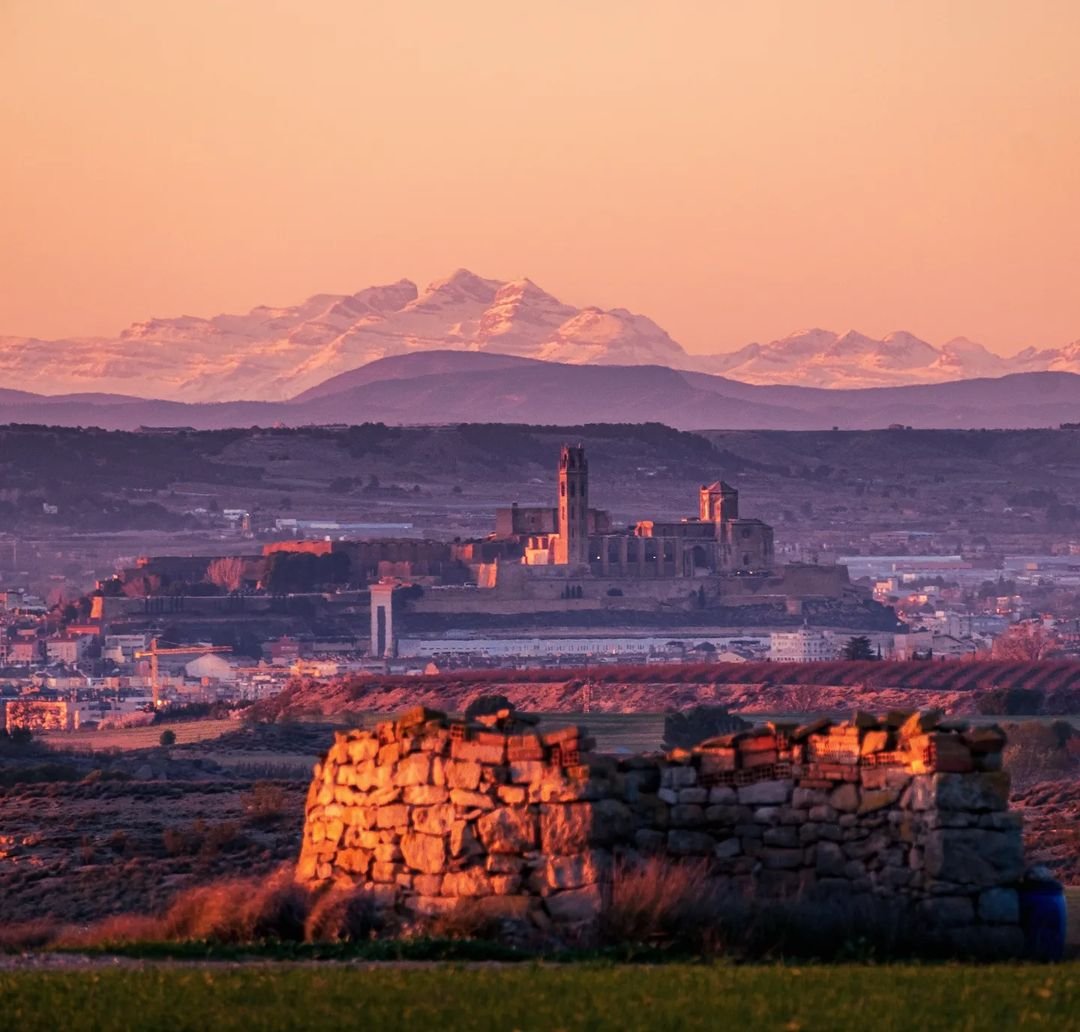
<point x="795" y="999"/>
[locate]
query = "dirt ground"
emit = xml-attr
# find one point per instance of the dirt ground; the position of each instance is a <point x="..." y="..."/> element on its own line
<point x="83" y="836"/>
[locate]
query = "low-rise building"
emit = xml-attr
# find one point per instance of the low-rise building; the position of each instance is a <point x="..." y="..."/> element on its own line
<point x="68" y="649"/>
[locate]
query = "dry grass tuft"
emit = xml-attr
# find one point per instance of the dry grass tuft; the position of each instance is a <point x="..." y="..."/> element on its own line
<point x="665" y="902"/>
<point x="343" y="915"/>
<point x="240" y="910"/>
<point x="110" y="931"/>
<point x="27" y="935"/>
<point x="465" y="921"/>
<point x="266" y="804"/>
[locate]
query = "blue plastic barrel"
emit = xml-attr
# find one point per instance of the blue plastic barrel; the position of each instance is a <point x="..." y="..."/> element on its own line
<point x="1042" y="915"/>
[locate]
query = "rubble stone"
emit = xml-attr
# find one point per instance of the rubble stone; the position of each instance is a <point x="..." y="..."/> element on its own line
<point x="907" y="809"/>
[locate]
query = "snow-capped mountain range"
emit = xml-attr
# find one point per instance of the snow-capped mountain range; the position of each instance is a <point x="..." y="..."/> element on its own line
<point x="276" y="353"/>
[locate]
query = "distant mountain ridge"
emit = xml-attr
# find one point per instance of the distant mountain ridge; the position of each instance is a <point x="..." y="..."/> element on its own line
<point x="451" y="387"/>
<point x="273" y="354"/>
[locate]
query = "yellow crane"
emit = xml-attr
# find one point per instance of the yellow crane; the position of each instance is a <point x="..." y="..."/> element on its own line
<point x="154" y="651"/>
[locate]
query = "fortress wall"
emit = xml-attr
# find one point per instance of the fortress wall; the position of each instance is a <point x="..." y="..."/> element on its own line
<point x="902" y="812"/>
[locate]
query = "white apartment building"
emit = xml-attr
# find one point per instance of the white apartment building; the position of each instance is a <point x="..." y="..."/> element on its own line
<point x="553" y="647"/>
<point x="801" y="646"/>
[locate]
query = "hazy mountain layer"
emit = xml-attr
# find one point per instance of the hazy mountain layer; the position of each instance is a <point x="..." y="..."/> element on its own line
<point x="468" y="387"/>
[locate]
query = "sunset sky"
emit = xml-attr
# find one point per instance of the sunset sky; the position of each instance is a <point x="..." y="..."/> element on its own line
<point x="736" y="171"/>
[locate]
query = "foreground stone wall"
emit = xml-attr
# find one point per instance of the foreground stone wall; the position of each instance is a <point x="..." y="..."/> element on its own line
<point x="903" y="809"/>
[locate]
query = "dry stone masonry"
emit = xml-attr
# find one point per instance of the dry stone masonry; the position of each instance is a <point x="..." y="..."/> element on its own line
<point x="905" y="809"/>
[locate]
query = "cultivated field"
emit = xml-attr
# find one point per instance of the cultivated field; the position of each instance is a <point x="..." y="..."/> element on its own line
<point x="138" y="737"/>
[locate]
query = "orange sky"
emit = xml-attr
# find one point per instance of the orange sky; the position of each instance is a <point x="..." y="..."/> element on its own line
<point x="734" y="170"/>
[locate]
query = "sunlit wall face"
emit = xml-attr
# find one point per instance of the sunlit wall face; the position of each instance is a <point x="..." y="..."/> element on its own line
<point x="735" y="170"/>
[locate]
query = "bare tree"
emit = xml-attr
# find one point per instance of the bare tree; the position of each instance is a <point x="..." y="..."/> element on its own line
<point x="1025" y="643"/>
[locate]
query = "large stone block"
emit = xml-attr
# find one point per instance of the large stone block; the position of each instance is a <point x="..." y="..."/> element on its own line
<point x="973" y="856"/>
<point x="510" y="829"/>
<point x="491" y="750"/>
<point x="361" y="749"/>
<point x="473" y="881"/>
<point x="649" y="840"/>
<point x="394" y="816"/>
<point x="575" y="906"/>
<point x="727" y="849"/>
<point x="947" y="911"/>
<point x="722" y="795"/>
<point x="414" y="770"/>
<point x="428" y="884"/>
<point x="567" y="828"/>
<point x="504" y="863"/>
<point x="434" y="820"/>
<point x="804" y="798"/>
<point x="683" y="842"/>
<point x="999" y="906"/>
<point x="462" y="774"/>
<point x="636" y="783"/>
<point x="432" y="905"/>
<point x="504" y="907"/>
<point x="355" y="861"/>
<point x="786" y="836"/>
<point x="724" y="814"/>
<point x="687" y="815"/>
<point x="463" y="841"/>
<point x="364" y="775"/>
<point x="829" y="860"/>
<point x="678" y="777"/>
<point x="968" y="793"/>
<point x="471" y="800"/>
<point x="424" y="853"/>
<point x="574" y="872"/>
<point x="874" y="799"/>
<point x="425" y="795"/>
<point x="845" y="798"/>
<point x="698" y="796"/>
<point x="526" y="772"/>
<point x="387" y="852"/>
<point x="766" y="793"/>
<point x="335" y="828"/>
<point x="779" y="859"/>
<point x="384" y="871"/>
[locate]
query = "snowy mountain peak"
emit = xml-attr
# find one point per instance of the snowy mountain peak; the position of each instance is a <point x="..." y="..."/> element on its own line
<point x="461" y="285"/>
<point x="273" y="353"/>
<point x="521" y="289"/>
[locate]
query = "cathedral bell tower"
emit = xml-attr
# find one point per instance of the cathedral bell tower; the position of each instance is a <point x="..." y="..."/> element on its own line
<point x="572" y="547"/>
<point x="718" y="502"/>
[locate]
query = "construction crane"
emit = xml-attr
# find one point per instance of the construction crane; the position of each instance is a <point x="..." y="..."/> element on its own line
<point x="154" y="651"/>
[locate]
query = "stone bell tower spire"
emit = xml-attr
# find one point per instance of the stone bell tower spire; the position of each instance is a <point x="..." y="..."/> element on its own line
<point x="573" y="543"/>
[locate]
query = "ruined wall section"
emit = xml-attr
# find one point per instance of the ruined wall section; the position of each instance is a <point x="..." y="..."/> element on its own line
<point x="903" y="809"/>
